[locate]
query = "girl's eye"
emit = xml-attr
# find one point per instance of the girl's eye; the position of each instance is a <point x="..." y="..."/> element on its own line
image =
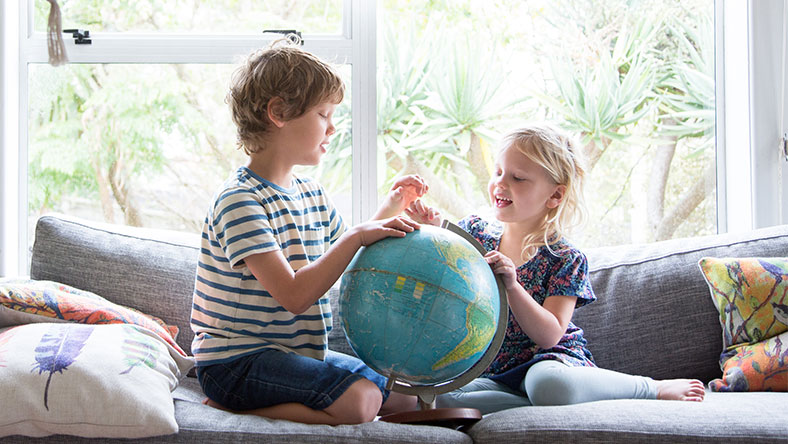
<point x="518" y="179"/>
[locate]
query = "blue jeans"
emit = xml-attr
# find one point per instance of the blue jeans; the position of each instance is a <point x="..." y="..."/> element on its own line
<point x="550" y="383"/>
<point x="272" y="377"/>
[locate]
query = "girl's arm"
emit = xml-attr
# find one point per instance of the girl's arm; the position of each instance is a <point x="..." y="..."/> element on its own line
<point x="545" y="324"/>
<point x="296" y="291"/>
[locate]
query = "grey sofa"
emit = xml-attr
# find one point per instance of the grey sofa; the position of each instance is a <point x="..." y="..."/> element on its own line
<point x="654" y="317"/>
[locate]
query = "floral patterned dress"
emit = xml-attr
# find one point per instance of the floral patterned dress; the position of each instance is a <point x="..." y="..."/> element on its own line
<point x="561" y="272"/>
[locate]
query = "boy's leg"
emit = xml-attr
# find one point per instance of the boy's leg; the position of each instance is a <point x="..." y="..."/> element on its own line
<point x="282" y="385"/>
<point x="483" y="394"/>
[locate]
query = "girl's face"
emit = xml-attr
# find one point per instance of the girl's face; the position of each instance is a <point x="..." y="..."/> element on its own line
<point x="521" y="191"/>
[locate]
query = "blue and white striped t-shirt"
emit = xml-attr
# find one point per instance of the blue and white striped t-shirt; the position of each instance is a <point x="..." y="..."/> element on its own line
<point x="232" y="314"/>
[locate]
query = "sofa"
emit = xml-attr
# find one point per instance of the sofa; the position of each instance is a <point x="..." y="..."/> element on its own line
<point x="654" y="317"/>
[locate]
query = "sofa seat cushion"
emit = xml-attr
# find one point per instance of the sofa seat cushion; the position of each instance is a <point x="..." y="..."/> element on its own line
<point x="722" y="417"/>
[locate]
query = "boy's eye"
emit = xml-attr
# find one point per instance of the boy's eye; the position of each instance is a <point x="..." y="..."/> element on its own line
<point x="518" y="179"/>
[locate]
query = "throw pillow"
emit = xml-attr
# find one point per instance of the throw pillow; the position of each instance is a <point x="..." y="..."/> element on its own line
<point x="751" y="295"/>
<point x="23" y="301"/>
<point x="111" y="381"/>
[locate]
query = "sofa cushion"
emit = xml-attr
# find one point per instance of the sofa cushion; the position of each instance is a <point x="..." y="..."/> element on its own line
<point x="653" y="315"/>
<point x="24" y="301"/>
<point x="149" y="270"/>
<point x="750" y="294"/>
<point x="87" y="380"/>
<point x="721" y="418"/>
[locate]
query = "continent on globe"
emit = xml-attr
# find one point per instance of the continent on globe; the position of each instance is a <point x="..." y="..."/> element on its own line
<point x="423" y="308"/>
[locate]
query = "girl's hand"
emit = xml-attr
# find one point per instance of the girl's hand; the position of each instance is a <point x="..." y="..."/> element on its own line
<point x="504" y="267"/>
<point x="375" y="230"/>
<point x="424" y="214"/>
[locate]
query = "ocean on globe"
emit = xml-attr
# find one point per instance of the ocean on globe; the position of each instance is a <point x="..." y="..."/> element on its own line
<point x="422" y="308"/>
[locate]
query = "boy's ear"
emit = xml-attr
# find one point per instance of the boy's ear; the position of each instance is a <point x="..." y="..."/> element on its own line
<point x="558" y="195"/>
<point x="275" y="111"/>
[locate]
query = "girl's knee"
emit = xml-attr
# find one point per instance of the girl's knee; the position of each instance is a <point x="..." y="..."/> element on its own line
<point x="553" y="387"/>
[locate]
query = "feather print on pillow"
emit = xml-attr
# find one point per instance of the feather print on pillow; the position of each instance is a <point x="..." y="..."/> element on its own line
<point x="59" y="347"/>
<point x="5" y="337"/>
<point x="139" y="349"/>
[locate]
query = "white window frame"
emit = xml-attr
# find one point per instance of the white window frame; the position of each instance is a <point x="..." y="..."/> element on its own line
<point x="355" y="46"/>
<point x="752" y="182"/>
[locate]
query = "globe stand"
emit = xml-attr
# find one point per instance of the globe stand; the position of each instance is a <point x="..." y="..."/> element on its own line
<point x="455" y="418"/>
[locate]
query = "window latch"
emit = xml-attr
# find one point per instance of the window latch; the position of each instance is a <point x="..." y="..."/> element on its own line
<point x="290" y="34"/>
<point x="81" y="37"/>
<point x="785" y="146"/>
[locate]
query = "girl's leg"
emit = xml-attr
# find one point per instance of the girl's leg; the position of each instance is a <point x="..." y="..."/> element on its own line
<point x="484" y="394"/>
<point x="554" y="383"/>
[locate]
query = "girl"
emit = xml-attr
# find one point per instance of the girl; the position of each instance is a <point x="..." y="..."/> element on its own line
<point x="536" y="195"/>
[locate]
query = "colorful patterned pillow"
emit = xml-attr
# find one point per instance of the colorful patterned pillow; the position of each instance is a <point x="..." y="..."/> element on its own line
<point x="111" y="381"/>
<point x="24" y="301"/>
<point x="751" y="295"/>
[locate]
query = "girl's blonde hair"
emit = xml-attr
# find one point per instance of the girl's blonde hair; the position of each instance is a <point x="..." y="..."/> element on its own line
<point x="286" y="71"/>
<point x="560" y="156"/>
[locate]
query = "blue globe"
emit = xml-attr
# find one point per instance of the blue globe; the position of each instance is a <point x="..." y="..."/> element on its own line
<point x="420" y="309"/>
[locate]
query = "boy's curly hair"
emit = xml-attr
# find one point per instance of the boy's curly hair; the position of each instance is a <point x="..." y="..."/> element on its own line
<point x="562" y="159"/>
<point x="286" y="71"/>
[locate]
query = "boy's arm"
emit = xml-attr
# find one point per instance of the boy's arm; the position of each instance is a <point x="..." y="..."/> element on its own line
<point x="403" y="192"/>
<point x="297" y="290"/>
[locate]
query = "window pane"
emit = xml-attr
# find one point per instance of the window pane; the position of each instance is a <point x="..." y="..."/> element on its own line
<point x="633" y="81"/>
<point x="144" y="145"/>
<point x="196" y="16"/>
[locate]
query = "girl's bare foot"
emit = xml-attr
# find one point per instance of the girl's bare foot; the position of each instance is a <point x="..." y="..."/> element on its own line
<point x="680" y="390"/>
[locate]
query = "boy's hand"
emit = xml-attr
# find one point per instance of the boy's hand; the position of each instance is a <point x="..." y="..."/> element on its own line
<point x="408" y="189"/>
<point x="404" y="191"/>
<point x="424" y="214"/>
<point x="375" y="230"/>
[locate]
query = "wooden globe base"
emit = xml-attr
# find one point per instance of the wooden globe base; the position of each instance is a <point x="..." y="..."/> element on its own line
<point x="454" y="418"/>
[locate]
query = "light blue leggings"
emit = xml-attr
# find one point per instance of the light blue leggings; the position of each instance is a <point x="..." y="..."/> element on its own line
<point x="550" y="383"/>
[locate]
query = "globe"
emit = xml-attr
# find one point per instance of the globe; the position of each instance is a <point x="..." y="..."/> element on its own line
<point x="423" y="309"/>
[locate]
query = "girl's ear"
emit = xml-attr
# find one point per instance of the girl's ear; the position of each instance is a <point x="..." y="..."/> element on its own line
<point x="275" y="111"/>
<point x="558" y="195"/>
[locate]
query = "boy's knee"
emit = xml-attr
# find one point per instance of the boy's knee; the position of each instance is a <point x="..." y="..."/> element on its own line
<point x="360" y="403"/>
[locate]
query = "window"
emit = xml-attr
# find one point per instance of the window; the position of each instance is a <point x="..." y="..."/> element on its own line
<point x="135" y="130"/>
<point x="635" y="82"/>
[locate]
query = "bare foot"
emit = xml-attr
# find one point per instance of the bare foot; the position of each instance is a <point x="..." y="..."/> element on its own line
<point x="216" y="405"/>
<point x="680" y="390"/>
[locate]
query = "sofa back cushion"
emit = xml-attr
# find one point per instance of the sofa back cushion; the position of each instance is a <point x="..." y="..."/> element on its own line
<point x="150" y="270"/>
<point x="654" y="315"/>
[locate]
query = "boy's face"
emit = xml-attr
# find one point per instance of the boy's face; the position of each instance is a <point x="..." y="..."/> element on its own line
<point x="308" y="135"/>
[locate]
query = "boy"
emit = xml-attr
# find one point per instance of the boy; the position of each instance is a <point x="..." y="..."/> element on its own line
<point x="273" y="245"/>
